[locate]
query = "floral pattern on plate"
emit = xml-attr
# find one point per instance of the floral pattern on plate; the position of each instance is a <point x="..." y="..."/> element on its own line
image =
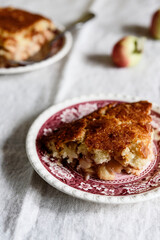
<point x="124" y="184"/>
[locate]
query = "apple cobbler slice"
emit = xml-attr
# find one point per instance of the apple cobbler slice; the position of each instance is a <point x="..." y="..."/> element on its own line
<point x="113" y="138"/>
<point x="23" y="34"/>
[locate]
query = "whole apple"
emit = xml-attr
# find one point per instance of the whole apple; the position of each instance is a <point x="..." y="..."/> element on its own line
<point x="155" y="25"/>
<point x="127" y="52"/>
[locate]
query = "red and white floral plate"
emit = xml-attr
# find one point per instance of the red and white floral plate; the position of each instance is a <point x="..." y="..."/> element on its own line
<point x="124" y="189"/>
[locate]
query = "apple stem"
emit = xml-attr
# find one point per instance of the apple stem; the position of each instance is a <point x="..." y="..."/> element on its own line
<point x="139" y="44"/>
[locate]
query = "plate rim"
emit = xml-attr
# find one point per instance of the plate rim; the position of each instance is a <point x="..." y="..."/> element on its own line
<point x="44" y="63"/>
<point x="43" y="172"/>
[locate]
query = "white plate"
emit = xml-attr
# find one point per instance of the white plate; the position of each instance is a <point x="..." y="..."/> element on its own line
<point x="83" y="191"/>
<point x="59" y="55"/>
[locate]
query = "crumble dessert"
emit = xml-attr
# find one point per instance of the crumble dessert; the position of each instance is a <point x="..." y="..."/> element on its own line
<point x="22" y="34"/>
<point x="113" y="138"/>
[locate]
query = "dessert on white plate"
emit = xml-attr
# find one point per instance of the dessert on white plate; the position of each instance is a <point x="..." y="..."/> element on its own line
<point x="22" y="34"/>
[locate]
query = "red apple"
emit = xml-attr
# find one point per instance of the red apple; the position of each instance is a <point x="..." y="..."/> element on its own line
<point x="155" y="25"/>
<point x="128" y="51"/>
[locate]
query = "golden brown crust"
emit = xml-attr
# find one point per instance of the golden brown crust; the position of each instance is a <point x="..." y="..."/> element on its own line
<point x="106" y="134"/>
<point x="69" y="132"/>
<point x="111" y="128"/>
<point x="13" y="20"/>
<point x="126" y="112"/>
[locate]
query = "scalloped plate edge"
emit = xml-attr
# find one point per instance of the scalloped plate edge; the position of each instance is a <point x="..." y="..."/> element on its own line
<point x="42" y="171"/>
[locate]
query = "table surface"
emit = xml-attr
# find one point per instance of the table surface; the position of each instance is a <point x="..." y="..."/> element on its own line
<point x="29" y="207"/>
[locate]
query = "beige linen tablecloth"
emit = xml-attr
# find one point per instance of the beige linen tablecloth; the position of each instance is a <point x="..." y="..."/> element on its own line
<point x="29" y="207"/>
